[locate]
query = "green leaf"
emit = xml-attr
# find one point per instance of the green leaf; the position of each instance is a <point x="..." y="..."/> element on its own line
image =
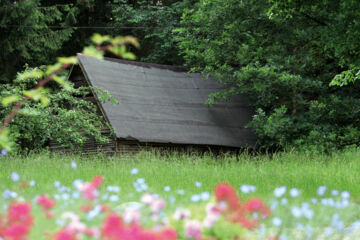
<point x="93" y="52"/>
<point x="10" y="99"/>
<point x="53" y="68"/>
<point x="99" y="39"/>
<point x="68" y="60"/>
<point x="129" y="55"/>
<point x="5" y="142"/>
<point x="35" y="74"/>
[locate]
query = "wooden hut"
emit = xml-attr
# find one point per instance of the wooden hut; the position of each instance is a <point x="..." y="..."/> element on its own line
<point x="161" y="106"/>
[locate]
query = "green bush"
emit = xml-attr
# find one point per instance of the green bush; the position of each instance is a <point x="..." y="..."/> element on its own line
<point x="69" y="119"/>
<point x="283" y="55"/>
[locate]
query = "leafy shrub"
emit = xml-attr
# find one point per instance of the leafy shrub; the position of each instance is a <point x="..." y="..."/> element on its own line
<point x="69" y="120"/>
<point x="284" y="61"/>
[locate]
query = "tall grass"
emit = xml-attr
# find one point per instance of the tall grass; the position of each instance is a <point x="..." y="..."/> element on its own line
<point x="305" y="171"/>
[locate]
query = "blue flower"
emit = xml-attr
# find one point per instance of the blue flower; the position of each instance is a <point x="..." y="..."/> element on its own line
<point x="195" y="198"/>
<point x="57" y="184"/>
<point x="276" y="221"/>
<point x="335" y="192"/>
<point x="15" y="177"/>
<point x="180" y="192"/>
<point x="278" y="192"/>
<point x="167" y="188"/>
<point x="134" y="171"/>
<point x="3" y="152"/>
<point x="321" y="190"/>
<point x="32" y="183"/>
<point x="294" y="192"/>
<point x="205" y="196"/>
<point x="73" y="164"/>
<point x="114" y="198"/>
<point x="198" y="184"/>
<point x="345" y="195"/>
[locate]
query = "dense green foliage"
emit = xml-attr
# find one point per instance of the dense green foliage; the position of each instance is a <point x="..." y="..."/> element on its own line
<point x="27" y="36"/>
<point x="68" y="120"/>
<point x="283" y="55"/>
<point x="153" y="23"/>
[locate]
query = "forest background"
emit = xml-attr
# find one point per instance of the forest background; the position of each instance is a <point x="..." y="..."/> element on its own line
<point x="298" y="61"/>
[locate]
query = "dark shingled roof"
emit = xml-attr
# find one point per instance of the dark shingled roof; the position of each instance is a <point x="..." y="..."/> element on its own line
<point x="163" y="104"/>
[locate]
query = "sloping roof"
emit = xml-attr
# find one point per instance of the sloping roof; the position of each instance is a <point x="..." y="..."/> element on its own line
<point x="167" y="105"/>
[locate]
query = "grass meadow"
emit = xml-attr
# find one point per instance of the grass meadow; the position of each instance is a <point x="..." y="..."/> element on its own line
<point x="182" y="180"/>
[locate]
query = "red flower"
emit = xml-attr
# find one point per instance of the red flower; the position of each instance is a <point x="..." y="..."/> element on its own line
<point x="16" y="231"/>
<point x="20" y="212"/>
<point x="46" y="202"/>
<point x="257" y="205"/>
<point x="226" y="193"/>
<point x="97" y="181"/>
<point x="64" y="235"/>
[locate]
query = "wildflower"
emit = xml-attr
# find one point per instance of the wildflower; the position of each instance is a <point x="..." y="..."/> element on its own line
<point x="45" y="202"/>
<point x="276" y="221"/>
<point x="146" y="198"/>
<point x="167" y="188"/>
<point x="195" y="198"/>
<point x="278" y="192"/>
<point x="193" y="229"/>
<point x="114" y="198"/>
<point x="296" y="212"/>
<point x="181" y="214"/>
<point x="3" y="152"/>
<point x="294" y="192"/>
<point x="198" y="184"/>
<point x="257" y="205"/>
<point x="134" y="171"/>
<point x="321" y="190"/>
<point x="180" y="192"/>
<point x="284" y="201"/>
<point x="131" y="215"/>
<point x="89" y="189"/>
<point x="335" y="192"/>
<point x="205" y="196"/>
<point x="345" y="195"/>
<point x="157" y="205"/>
<point x="32" y="183"/>
<point x="247" y="188"/>
<point x="57" y="184"/>
<point x="73" y="165"/>
<point x="15" y="177"/>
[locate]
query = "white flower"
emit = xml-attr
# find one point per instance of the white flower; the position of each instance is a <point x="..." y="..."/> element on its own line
<point x="278" y="192"/>
<point x="146" y="198"/>
<point x="181" y="214"/>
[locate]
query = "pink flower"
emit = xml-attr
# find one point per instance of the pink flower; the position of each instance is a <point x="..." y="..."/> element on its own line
<point x="89" y="191"/>
<point x="131" y="216"/>
<point x="157" y="205"/>
<point x="193" y="229"/>
<point x="46" y="202"/>
<point x="181" y="214"/>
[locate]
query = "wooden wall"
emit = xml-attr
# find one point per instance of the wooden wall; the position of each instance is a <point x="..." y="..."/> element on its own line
<point x="90" y="146"/>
